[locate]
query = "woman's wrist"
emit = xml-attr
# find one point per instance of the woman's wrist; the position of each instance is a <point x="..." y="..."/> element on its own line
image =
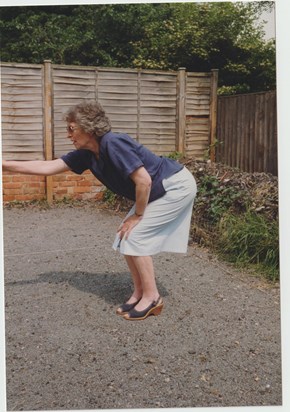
<point x="139" y="214"/>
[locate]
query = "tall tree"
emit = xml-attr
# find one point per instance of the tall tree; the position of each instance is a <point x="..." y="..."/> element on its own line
<point x="201" y="36"/>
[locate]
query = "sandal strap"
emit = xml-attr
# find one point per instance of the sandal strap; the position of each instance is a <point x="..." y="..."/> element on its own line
<point x="126" y="307"/>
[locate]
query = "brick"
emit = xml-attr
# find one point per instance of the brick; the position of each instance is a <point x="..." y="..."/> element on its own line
<point x="30" y="190"/>
<point x="40" y="196"/>
<point x="11" y="191"/>
<point x="37" y="178"/>
<point x="67" y="184"/>
<point x="59" y="178"/>
<point x="27" y="197"/>
<point x="74" y="177"/>
<point x="12" y="185"/>
<point x="20" y="178"/>
<point x="84" y="183"/>
<point x="96" y="182"/>
<point x="8" y="198"/>
<point x="61" y="191"/>
<point x="35" y="184"/>
<point x="80" y="189"/>
<point x="6" y="178"/>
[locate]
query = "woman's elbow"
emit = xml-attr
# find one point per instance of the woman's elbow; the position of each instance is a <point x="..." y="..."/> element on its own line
<point x="148" y="182"/>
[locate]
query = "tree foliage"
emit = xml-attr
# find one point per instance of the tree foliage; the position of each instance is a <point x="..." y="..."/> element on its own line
<point x="198" y="36"/>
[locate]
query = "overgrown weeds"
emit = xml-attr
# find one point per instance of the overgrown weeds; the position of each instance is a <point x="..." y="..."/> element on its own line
<point x="250" y="239"/>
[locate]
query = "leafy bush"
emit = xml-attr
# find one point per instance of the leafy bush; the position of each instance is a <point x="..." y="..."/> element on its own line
<point x="216" y="197"/>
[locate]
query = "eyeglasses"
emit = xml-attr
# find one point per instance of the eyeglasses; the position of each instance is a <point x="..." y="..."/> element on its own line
<point x="71" y="129"/>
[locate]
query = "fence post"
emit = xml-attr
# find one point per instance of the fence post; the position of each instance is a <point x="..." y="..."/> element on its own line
<point x="139" y="74"/>
<point x="48" y="149"/>
<point x="181" y="118"/>
<point x="213" y="113"/>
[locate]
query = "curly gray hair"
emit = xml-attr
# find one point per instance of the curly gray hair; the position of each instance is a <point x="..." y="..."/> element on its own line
<point x="89" y="116"/>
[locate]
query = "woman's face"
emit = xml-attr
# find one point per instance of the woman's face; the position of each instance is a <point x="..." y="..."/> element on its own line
<point x="79" y="138"/>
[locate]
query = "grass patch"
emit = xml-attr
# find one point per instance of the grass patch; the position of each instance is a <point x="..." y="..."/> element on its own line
<point x="250" y="239"/>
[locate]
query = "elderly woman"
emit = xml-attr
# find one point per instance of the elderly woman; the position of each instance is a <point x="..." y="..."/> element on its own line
<point x="162" y="189"/>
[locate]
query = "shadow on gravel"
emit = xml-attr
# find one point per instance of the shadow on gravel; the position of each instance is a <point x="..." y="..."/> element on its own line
<point x="112" y="287"/>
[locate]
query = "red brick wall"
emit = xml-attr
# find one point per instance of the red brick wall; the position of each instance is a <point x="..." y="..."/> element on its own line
<point x="17" y="187"/>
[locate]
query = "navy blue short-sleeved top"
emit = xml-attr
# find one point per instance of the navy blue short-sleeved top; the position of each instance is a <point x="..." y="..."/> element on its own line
<point x="119" y="156"/>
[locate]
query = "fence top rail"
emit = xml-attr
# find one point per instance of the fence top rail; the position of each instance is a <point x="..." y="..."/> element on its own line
<point x="112" y="69"/>
<point x="104" y="69"/>
<point x="247" y="94"/>
<point x="24" y="65"/>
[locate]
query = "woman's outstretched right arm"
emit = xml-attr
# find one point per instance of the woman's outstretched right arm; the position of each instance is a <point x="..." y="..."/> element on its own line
<point x="35" y="167"/>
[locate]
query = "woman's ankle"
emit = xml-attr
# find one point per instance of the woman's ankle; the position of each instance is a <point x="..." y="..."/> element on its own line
<point x="135" y="297"/>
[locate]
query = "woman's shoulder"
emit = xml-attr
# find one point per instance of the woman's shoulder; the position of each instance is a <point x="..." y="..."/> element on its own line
<point x="114" y="136"/>
<point x="117" y="140"/>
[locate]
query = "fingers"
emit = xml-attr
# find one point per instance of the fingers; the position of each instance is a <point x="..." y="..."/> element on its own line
<point x="123" y="230"/>
<point x="126" y="227"/>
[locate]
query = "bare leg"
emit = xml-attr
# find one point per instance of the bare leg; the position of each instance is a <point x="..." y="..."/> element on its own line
<point x="142" y="271"/>
<point x="138" y="290"/>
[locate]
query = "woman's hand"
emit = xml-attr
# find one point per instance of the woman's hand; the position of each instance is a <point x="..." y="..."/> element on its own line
<point x="143" y="183"/>
<point x="128" y="225"/>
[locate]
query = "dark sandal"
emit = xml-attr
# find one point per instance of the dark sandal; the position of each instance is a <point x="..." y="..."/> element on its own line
<point x="154" y="308"/>
<point x="126" y="307"/>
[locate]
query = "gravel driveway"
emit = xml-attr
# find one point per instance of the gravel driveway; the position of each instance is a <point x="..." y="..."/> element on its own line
<point x="216" y="343"/>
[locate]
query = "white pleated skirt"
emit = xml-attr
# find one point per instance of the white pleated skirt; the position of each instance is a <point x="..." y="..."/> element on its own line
<point x="165" y="224"/>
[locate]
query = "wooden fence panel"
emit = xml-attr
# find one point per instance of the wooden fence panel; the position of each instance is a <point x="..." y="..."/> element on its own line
<point x="22" y="114"/>
<point x="117" y="91"/>
<point x="157" y="114"/>
<point x="70" y="85"/>
<point x="197" y="106"/>
<point x="247" y="132"/>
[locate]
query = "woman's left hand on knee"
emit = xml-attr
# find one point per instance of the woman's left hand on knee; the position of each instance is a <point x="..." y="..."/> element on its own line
<point x="126" y="227"/>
